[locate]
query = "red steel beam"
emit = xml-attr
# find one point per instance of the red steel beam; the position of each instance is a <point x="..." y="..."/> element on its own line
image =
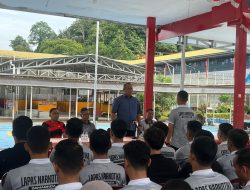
<point x="219" y="15"/>
<point x="239" y="77"/>
<point x="150" y="54"/>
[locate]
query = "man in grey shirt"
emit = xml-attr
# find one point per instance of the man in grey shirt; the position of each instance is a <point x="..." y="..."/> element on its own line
<point x="74" y="130"/>
<point x="178" y="120"/>
<point x="137" y="160"/>
<point x="237" y="139"/>
<point x="117" y="132"/>
<point x="127" y="108"/>
<point x="224" y="129"/>
<point x="39" y="172"/>
<point x="202" y="154"/>
<point x="242" y="166"/>
<point x="181" y="155"/>
<point x="87" y="126"/>
<point x="102" y="168"/>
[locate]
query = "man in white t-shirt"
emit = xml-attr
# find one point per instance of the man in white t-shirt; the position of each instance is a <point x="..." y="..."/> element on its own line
<point x="202" y="154"/>
<point x="178" y="120"/>
<point x="68" y="161"/>
<point x="181" y="155"/>
<point x="102" y="168"/>
<point x="137" y="160"/>
<point x="242" y="166"/>
<point x="73" y="130"/>
<point x="237" y="139"/>
<point x="117" y="132"/>
<point x="222" y="135"/>
<point x="39" y="172"/>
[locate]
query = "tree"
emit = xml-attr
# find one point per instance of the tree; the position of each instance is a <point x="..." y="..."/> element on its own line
<point x="61" y="46"/>
<point x="165" y="49"/>
<point x="40" y="32"/>
<point x="163" y="79"/>
<point x="225" y="98"/>
<point x="19" y="44"/>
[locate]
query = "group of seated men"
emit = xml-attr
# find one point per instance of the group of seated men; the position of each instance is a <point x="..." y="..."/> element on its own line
<point x="109" y="163"/>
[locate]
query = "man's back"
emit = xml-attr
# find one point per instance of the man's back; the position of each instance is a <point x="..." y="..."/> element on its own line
<point x="88" y="128"/>
<point x="116" y="153"/>
<point x="207" y="179"/>
<point x="222" y="150"/>
<point x="103" y="169"/>
<point x="143" y="184"/>
<point x="161" y="169"/>
<point x="38" y="174"/>
<point x="12" y="158"/>
<point x="168" y="152"/>
<point x="226" y="163"/>
<point x="181" y="155"/>
<point x="179" y="117"/>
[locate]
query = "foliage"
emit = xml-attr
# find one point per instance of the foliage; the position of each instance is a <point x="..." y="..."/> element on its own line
<point x="165" y="49"/>
<point x="219" y="115"/>
<point x="20" y="44"/>
<point x="223" y="108"/>
<point x="116" y="41"/>
<point x="225" y="103"/>
<point x="164" y="102"/>
<point x="225" y="98"/>
<point x="140" y="97"/>
<point x="163" y="79"/>
<point x="40" y="32"/>
<point x="61" y="46"/>
<point x="247" y="109"/>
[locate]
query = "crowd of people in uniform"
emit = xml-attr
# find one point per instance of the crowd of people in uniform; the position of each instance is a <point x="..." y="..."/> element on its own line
<point x="177" y="156"/>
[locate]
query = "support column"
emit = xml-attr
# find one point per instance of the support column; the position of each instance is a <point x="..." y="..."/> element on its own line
<point x="70" y="100"/>
<point x="31" y="99"/>
<point x="76" y="102"/>
<point x="26" y="100"/>
<point x="149" y="75"/>
<point x="239" y="78"/>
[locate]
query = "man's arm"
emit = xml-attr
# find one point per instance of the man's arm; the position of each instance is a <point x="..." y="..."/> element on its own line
<point x="138" y="119"/>
<point x="170" y="132"/>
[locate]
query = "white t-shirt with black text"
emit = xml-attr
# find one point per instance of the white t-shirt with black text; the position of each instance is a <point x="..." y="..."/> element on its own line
<point x="141" y="184"/>
<point x="179" y="117"/>
<point x="168" y="152"/>
<point x="222" y="149"/>
<point x="69" y="186"/>
<point x="104" y="170"/>
<point x="208" y="179"/>
<point x="116" y="153"/>
<point x="37" y="174"/>
<point x="226" y="163"/>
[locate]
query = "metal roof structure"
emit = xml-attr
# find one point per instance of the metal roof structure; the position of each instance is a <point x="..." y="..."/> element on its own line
<point x="82" y="64"/>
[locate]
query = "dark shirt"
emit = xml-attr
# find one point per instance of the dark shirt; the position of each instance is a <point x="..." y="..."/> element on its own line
<point x="127" y="109"/>
<point x="161" y="169"/>
<point x="12" y="158"/>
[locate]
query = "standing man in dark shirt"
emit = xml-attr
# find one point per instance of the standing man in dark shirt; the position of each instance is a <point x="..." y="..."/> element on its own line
<point x="127" y="108"/>
<point x="16" y="156"/>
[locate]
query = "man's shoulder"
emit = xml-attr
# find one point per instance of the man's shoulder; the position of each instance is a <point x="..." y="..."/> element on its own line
<point x="150" y="186"/>
<point x="6" y="152"/>
<point x="224" y="158"/>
